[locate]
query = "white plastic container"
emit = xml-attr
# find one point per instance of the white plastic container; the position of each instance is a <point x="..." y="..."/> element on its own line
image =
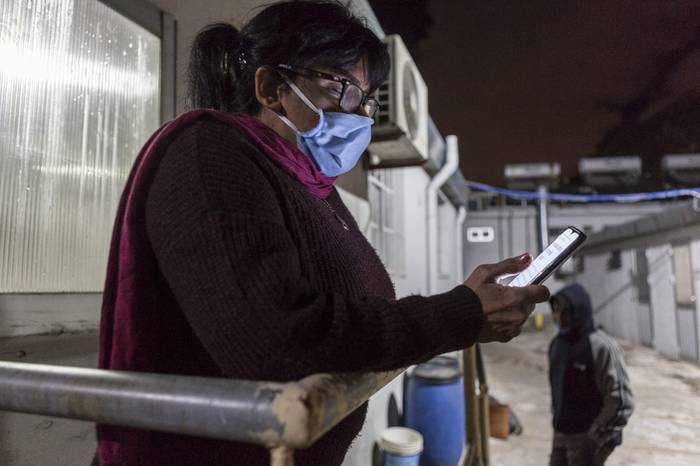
<point x="401" y="446"/>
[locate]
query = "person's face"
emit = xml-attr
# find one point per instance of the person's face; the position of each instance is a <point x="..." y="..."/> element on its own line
<point x="324" y="93"/>
<point x="276" y="97"/>
<point x="560" y="314"/>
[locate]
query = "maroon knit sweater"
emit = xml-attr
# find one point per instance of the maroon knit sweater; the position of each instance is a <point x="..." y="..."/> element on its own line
<point x="258" y="279"/>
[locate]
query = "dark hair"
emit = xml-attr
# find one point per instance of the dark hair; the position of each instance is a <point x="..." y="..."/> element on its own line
<point x="307" y="33"/>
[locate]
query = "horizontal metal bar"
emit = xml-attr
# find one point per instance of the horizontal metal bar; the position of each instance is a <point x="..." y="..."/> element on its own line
<point x="293" y="414"/>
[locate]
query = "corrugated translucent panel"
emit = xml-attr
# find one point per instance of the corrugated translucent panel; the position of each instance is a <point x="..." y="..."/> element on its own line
<point x="79" y="95"/>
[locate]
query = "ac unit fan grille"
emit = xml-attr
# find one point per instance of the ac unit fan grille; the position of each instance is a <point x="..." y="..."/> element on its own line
<point x="383" y="96"/>
<point x="410" y="101"/>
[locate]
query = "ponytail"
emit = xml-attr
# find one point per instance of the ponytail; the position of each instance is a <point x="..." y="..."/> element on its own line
<point x="214" y="67"/>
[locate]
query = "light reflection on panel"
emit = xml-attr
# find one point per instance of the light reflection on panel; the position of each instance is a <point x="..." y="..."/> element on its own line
<point x="79" y="95"/>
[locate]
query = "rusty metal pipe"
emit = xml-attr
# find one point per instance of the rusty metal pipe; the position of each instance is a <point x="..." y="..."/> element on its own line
<point x="281" y="456"/>
<point x="471" y="406"/>
<point x="484" y="420"/>
<point x="293" y="414"/>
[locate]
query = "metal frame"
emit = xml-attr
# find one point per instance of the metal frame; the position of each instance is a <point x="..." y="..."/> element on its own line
<point x="279" y="416"/>
<point x="163" y="25"/>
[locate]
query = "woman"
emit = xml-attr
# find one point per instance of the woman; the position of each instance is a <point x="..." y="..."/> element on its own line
<point x="233" y="256"/>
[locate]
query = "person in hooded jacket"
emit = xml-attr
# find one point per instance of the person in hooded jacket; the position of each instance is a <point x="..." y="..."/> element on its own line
<point x="591" y="395"/>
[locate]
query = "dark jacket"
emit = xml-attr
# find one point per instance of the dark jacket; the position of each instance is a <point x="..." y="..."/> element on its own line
<point x="590" y="388"/>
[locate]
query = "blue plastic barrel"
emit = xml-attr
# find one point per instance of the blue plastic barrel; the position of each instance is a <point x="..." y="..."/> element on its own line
<point x="434" y="406"/>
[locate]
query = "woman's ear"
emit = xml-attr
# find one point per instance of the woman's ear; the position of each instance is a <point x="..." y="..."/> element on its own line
<point x="267" y="88"/>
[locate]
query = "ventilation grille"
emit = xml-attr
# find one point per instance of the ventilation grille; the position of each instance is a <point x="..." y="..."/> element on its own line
<point x="383" y="96"/>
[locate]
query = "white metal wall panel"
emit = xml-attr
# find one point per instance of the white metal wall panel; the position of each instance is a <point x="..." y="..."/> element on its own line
<point x="663" y="303"/>
<point x="685" y="301"/>
<point x="695" y="260"/>
<point x="687" y="338"/>
<point x="413" y="185"/>
<point x="613" y="295"/>
<point x="79" y="95"/>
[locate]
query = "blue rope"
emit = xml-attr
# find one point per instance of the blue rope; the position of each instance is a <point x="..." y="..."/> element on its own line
<point x="585" y="198"/>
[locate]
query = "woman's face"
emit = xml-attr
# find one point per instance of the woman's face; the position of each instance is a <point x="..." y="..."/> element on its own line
<point x="325" y="94"/>
<point x="276" y="98"/>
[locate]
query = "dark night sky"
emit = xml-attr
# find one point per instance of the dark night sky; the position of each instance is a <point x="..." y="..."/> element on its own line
<point x="534" y="81"/>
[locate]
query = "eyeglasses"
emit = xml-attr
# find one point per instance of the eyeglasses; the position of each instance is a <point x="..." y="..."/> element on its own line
<point x="352" y="98"/>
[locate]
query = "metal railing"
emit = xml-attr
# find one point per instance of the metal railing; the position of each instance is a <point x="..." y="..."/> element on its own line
<point x="279" y="416"/>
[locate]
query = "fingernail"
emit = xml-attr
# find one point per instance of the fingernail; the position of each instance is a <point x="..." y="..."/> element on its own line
<point x="525" y="258"/>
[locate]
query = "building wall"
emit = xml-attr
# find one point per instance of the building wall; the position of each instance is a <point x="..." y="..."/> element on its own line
<point x="415" y="276"/>
<point x="613" y="295"/>
<point x="31" y="314"/>
<point x="624" y="311"/>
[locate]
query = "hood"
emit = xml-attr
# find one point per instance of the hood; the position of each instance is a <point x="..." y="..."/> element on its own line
<point x="578" y="301"/>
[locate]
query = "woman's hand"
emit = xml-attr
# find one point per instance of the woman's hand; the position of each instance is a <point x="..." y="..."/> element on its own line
<point x="506" y="308"/>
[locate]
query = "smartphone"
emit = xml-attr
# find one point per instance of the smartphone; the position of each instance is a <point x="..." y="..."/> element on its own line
<point x="551" y="258"/>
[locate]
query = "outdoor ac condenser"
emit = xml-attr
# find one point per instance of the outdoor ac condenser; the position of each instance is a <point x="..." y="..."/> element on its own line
<point x="611" y="172"/>
<point x="683" y="169"/>
<point x="400" y="131"/>
<point x="532" y="175"/>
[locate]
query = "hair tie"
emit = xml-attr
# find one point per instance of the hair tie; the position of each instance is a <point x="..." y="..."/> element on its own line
<point x="242" y="62"/>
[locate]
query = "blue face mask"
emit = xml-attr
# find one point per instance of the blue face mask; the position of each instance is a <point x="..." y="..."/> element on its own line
<point x="337" y="142"/>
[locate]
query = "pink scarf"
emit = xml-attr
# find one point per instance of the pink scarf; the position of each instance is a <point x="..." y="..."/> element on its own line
<point x="280" y="150"/>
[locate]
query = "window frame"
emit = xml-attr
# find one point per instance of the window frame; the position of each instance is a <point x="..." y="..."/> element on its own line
<point x="614" y="262"/>
<point x="164" y="26"/>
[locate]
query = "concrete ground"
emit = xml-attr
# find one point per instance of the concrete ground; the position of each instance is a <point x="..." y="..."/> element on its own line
<point x="664" y="429"/>
<point x="29" y="440"/>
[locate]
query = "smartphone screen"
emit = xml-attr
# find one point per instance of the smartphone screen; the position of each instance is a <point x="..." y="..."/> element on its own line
<point x="551" y="258"/>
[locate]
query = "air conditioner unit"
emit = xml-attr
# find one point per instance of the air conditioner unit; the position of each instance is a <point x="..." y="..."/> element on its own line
<point x="611" y="172"/>
<point x="683" y="169"/>
<point x="532" y="175"/>
<point x="400" y="131"/>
